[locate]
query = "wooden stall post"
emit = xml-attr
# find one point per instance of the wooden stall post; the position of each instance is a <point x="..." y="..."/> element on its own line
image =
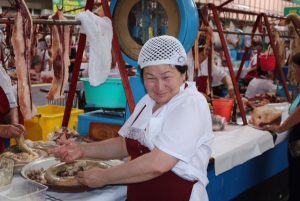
<point x="276" y="54"/>
<point x="247" y="50"/>
<point x="81" y="45"/>
<point x="255" y="26"/>
<point x="121" y="63"/>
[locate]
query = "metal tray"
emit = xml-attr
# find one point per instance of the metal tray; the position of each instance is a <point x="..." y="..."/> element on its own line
<point x="50" y="161"/>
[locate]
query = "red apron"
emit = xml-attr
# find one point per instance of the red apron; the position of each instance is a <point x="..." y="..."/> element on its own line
<point x="201" y="83"/>
<point x="167" y="187"/>
<point x="4" y="109"/>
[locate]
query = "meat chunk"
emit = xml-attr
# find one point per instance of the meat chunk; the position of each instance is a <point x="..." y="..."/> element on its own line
<point x="60" y="57"/>
<point x="21" y="41"/>
<point x="265" y="115"/>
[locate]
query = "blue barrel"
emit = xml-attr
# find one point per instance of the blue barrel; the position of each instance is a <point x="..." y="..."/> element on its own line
<point x="189" y="25"/>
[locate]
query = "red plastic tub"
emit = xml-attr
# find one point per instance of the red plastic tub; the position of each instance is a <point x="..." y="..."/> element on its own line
<point x="223" y="107"/>
<point x="267" y="62"/>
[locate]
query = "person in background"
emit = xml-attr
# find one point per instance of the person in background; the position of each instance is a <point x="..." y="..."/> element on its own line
<point x="292" y="125"/>
<point x="219" y="75"/>
<point x="9" y="126"/>
<point x="263" y="83"/>
<point x="287" y="51"/>
<point x="36" y="69"/>
<point x="168" y="136"/>
<point x="43" y="53"/>
<point x="72" y="61"/>
<point x="252" y="72"/>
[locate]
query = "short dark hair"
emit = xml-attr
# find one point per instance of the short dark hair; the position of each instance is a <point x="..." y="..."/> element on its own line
<point x="182" y="69"/>
<point x="296" y="58"/>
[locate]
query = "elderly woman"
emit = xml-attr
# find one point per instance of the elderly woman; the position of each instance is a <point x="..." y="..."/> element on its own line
<point x="8" y="111"/>
<point x="292" y="124"/>
<point x="167" y="137"/>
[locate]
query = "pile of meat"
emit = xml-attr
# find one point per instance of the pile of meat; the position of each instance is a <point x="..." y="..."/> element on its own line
<point x="64" y="174"/>
<point x="263" y="99"/>
<point x="20" y="157"/>
<point x="37" y="175"/>
<point x="72" y="169"/>
<point x="63" y="134"/>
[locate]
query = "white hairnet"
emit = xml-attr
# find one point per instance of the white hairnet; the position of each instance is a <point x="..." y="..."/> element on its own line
<point x="162" y="50"/>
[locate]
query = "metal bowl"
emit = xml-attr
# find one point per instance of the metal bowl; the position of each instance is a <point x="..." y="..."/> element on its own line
<point x="50" y="162"/>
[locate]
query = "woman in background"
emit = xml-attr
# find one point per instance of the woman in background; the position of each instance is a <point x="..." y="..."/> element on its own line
<point x="9" y="126"/>
<point x="292" y="124"/>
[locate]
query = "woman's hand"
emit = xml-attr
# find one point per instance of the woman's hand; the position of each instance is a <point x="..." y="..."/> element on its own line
<point x="68" y="152"/>
<point x="93" y="178"/>
<point x="11" y="130"/>
<point x="272" y="128"/>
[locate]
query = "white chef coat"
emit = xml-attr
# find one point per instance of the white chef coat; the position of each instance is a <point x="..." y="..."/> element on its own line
<point x="181" y="128"/>
<point x="217" y="73"/>
<point x="259" y="86"/>
<point x="5" y="84"/>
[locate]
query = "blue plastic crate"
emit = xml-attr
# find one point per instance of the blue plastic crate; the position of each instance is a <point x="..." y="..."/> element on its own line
<point x="85" y="119"/>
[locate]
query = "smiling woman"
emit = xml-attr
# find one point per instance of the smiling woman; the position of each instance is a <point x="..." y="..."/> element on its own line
<point x="167" y="137"/>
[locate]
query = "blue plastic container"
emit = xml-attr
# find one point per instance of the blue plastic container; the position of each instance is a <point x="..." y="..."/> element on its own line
<point x="247" y="64"/>
<point x="240" y="55"/>
<point x="85" y="120"/>
<point x="285" y="72"/>
<point x="110" y="94"/>
<point x="233" y="54"/>
<point x="280" y="90"/>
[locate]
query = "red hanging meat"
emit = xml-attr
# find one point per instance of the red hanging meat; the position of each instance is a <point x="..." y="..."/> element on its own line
<point x="21" y="41"/>
<point x="60" y="57"/>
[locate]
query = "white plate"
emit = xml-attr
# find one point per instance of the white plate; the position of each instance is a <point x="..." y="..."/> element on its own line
<point x="38" y="164"/>
<point x="50" y="161"/>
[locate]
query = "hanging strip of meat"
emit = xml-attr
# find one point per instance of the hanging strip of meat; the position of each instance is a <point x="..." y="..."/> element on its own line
<point x="293" y="22"/>
<point x="280" y="46"/>
<point x="60" y="57"/>
<point x="21" y="41"/>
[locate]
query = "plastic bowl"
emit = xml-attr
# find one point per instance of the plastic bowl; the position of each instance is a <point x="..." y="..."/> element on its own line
<point x="6" y="171"/>
<point x="23" y="191"/>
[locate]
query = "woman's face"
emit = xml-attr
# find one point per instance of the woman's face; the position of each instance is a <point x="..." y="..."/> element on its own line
<point x="162" y="82"/>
